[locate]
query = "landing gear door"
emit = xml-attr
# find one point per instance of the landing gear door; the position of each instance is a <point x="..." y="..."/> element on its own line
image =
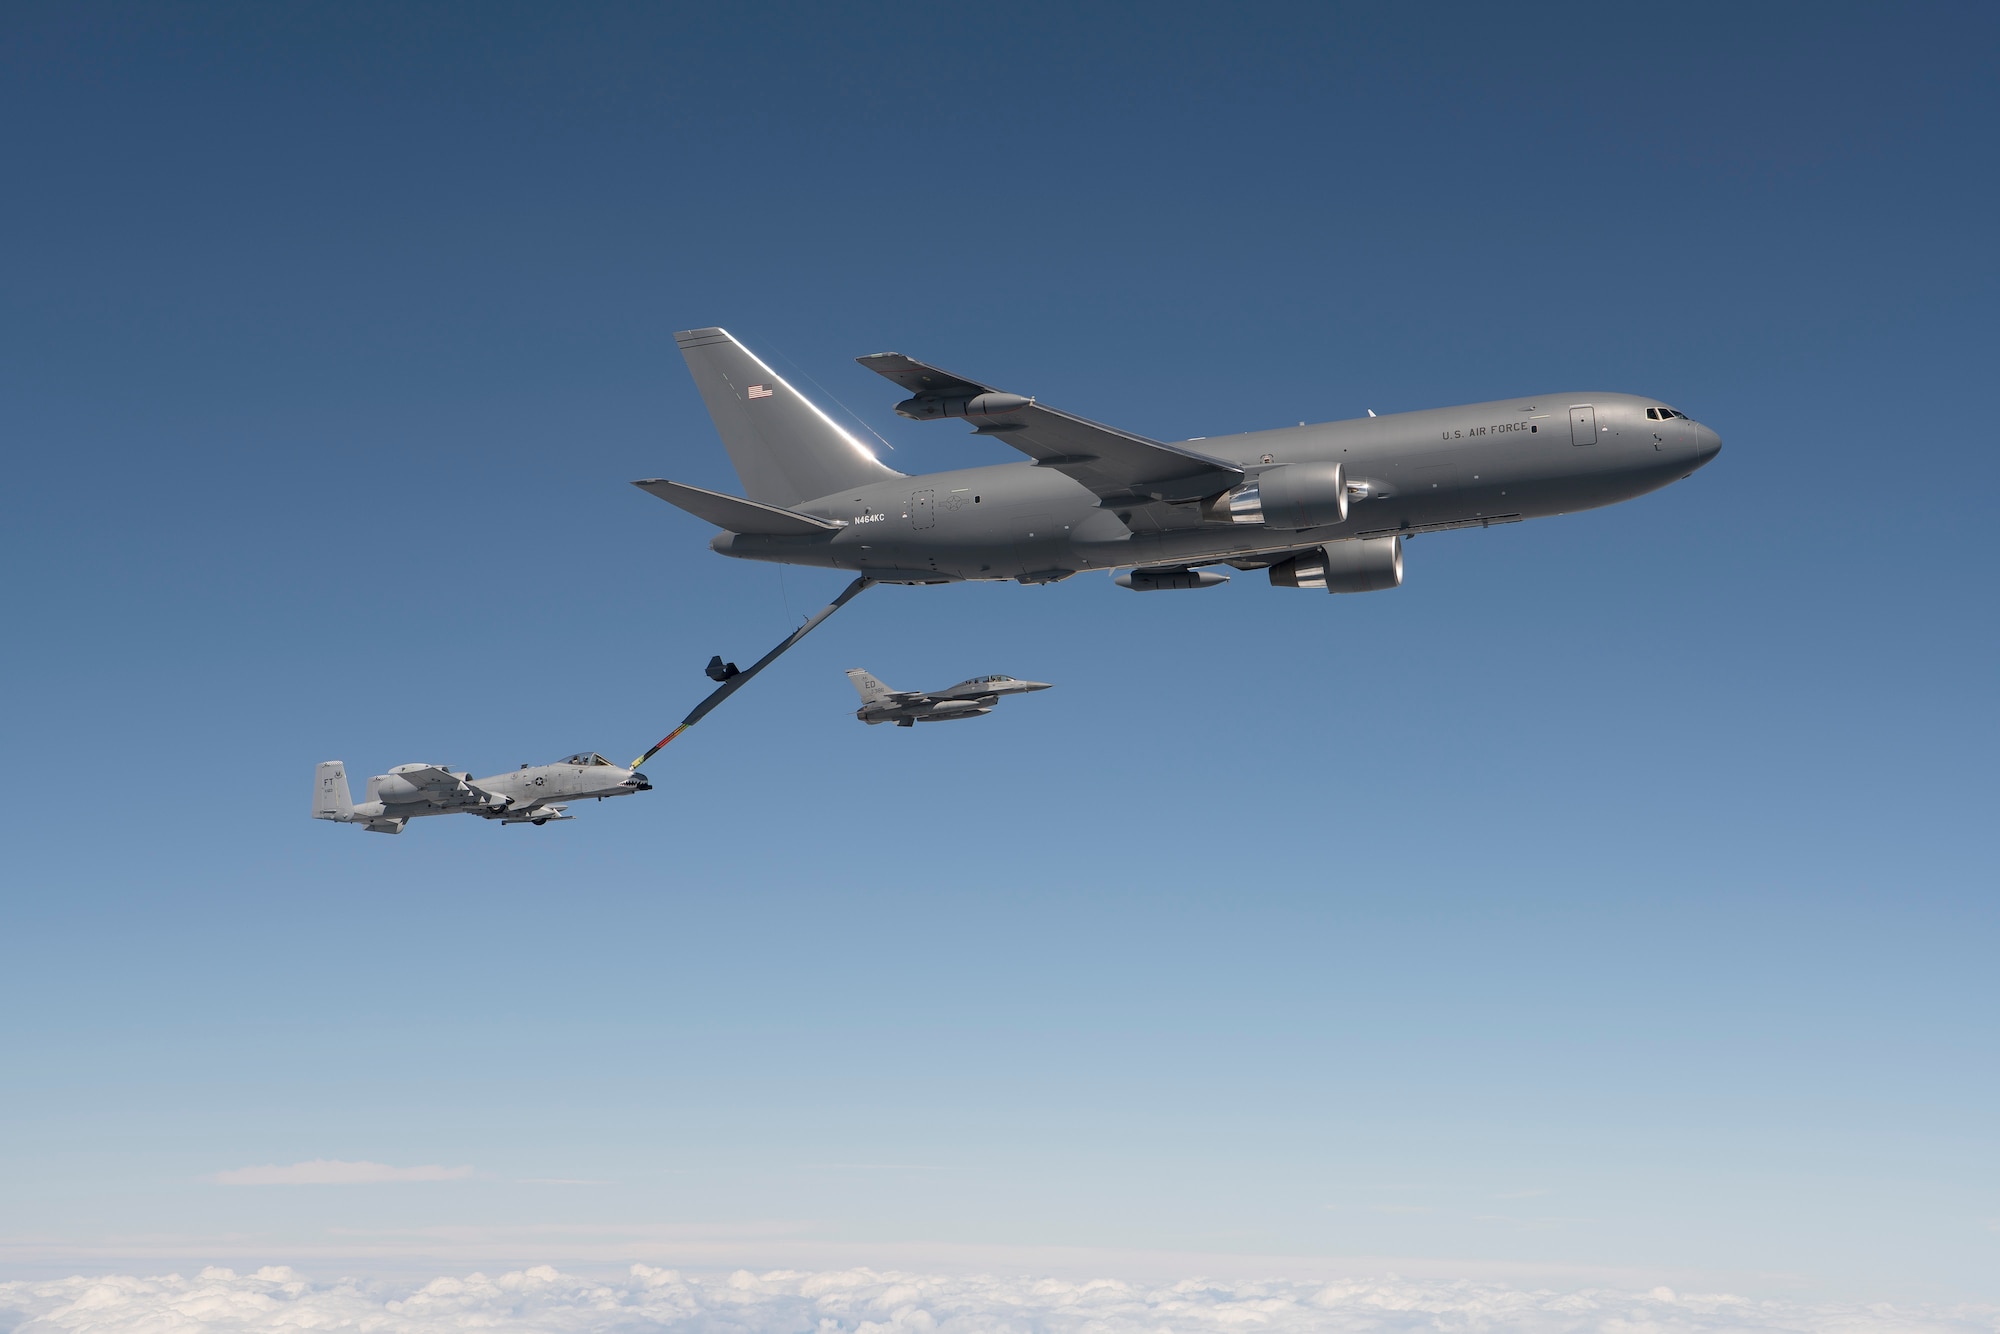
<point x="1583" y="425"/>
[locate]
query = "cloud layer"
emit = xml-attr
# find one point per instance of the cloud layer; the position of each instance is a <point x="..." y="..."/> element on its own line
<point x="861" y="1301"/>
<point x="335" y="1172"/>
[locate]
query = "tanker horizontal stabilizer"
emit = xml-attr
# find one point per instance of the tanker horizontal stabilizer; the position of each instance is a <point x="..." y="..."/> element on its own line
<point x="735" y="513"/>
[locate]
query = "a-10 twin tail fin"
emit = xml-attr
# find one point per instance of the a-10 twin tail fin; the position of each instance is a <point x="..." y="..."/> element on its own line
<point x="332" y="802"/>
<point x="330" y="799"/>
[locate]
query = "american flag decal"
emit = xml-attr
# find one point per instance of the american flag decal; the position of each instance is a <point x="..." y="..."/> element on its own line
<point x="760" y="391"/>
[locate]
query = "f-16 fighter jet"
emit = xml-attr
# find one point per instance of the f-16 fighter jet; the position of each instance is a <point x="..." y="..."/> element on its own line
<point x="906" y="708"/>
<point x="528" y="795"/>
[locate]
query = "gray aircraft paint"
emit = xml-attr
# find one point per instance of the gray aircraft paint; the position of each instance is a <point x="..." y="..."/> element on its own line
<point x="1405" y="473"/>
<point x="531" y="794"/>
<point x="785" y="449"/>
<point x="972" y="698"/>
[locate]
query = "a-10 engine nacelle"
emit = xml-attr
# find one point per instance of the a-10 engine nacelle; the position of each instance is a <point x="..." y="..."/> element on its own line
<point x="1366" y="565"/>
<point x="1289" y="496"/>
<point x="930" y="407"/>
<point x="394" y="789"/>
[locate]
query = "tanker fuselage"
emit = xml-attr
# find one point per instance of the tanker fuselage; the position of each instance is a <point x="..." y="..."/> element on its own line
<point x="1408" y="473"/>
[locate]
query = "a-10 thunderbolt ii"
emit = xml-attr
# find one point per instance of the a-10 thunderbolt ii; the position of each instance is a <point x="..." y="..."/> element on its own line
<point x="906" y="708"/>
<point x="533" y="794"/>
<point x="1324" y="506"/>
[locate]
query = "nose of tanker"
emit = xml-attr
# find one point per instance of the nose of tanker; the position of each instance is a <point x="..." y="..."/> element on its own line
<point x="1707" y="444"/>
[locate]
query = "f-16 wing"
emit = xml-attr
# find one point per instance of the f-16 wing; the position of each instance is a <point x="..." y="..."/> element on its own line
<point x="1116" y="465"/>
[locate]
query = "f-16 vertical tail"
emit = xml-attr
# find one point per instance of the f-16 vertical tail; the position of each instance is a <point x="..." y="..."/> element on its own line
<point x="784" y="449"/>
<point x="872" y="691"/>
<point x="330" y="799"/>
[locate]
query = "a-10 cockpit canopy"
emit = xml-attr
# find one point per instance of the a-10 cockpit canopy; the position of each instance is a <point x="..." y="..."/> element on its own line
<point x="587" y="757"/>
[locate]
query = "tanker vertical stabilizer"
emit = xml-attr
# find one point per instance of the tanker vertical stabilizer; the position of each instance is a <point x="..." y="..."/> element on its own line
<point x="785" y="450"/>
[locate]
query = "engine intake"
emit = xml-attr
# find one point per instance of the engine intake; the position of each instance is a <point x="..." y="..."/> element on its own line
<point x="1366" y="565"/>
<point x="1304" y="495"/>
<point x="1290" y="496"/>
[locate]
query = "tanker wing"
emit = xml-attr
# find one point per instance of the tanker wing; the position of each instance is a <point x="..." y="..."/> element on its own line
<point x="1116" y="465"/>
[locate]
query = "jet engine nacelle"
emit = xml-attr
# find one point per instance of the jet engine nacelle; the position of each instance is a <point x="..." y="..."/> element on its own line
<point x="1290" y="496"/>
<point x="930" y="407"/>
<point x="1303" y="495"/>
<point x="1366" y="565"/>
<point x="394" y="789"/>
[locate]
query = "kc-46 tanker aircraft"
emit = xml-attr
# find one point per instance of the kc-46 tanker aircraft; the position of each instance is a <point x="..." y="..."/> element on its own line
<point x="1323" y="506"/>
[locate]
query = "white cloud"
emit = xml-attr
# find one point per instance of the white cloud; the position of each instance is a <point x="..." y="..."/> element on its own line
<point x="864" y="1301"/>
<point x="336" y="1172"/>
<point x="565" y="1181"/>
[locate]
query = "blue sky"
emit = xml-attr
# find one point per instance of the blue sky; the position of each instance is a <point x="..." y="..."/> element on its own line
<point x="1615" y="897"/>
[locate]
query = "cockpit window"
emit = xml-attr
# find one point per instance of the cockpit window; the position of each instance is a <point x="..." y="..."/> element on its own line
<point x="1664" y="414"/>
<point x="586" y="757"/>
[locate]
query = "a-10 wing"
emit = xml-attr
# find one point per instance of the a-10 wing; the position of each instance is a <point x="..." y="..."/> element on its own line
<point x="1118" y="466"/>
